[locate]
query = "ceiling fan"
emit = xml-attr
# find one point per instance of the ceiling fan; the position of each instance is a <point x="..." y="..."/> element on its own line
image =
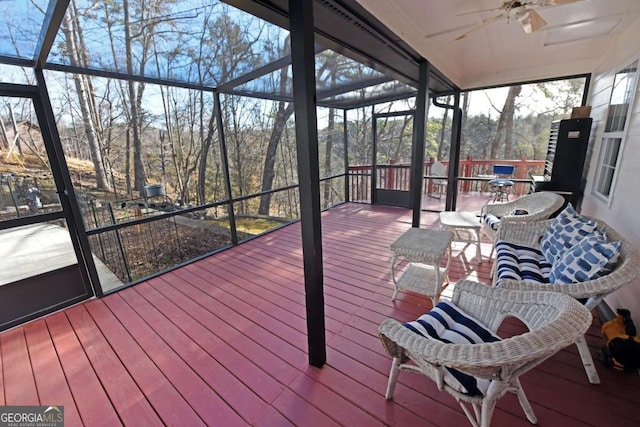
<point x="524" y="11"/>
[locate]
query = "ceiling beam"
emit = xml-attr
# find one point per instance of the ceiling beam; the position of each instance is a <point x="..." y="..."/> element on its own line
<point x="345" y="27"/>
<point x="357" y="85"/>
<point x="50" y="26"/>
<point x="261" y="71"/>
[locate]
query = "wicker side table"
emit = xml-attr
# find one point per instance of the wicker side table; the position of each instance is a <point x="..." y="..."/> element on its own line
<point x="466" y="227"/>
<point x="424" y="249"/>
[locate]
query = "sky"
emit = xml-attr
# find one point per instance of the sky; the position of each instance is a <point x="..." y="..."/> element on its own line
<point x="490" y="101"/>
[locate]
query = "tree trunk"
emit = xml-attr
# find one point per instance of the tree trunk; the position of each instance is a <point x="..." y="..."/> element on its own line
<point x="127" y="162"/>
<point x="331" y="64"/>
<point x="327" y="155"/>
<point x="204" y="155"/>
<point x="81" y="85"/>
<point x="465" y="114"/>
<point x="268" y="172"/>
<point x="280" y="122"/>
<point x="504" y="132"/>
<point x="443" y="128"/>
<point x="398" y="151"/>
<point x="139" y="174"/>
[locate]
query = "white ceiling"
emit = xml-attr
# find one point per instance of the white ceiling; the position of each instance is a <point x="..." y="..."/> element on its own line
<point x="575" y="41"/>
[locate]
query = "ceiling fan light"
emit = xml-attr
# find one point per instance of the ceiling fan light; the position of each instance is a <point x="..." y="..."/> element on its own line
<point x="532" y="21"/>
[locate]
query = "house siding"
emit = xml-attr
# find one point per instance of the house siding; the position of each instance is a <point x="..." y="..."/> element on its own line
<point x="623" y="211"/>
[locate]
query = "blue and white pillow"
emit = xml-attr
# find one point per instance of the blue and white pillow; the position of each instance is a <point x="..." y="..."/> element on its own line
<point x="613" y="262"/>
<point x="447" y="323"/>
<point x="592" y="257"/>
<point x="565" y="231"/>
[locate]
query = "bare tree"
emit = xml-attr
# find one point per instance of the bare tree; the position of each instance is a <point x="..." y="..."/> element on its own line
<point x="135" y="92"/>
<point x="328" y="154"/>
<point x="443" y="130"/>
<point x="504" y="132"/>
<point x="283" y="114"/>
<point x="77" y="54"/>
<point x="465" y="113"/>
<point x="240" y="48"/>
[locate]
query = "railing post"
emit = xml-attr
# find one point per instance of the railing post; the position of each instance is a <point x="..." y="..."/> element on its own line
<point x="522" y="174"/>
<point x="467" y="173"/>
<point x="430" y="183"/>
<point x="347" y="168"/>
<point x="390" y="176"/>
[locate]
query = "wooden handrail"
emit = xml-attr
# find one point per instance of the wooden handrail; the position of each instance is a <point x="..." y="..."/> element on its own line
<point x="469" y="168"/>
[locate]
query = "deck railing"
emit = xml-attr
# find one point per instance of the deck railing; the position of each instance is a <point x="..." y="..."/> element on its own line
<point x="473" y="175"/>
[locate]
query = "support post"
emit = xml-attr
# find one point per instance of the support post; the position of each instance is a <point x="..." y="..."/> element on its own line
<point x="374" y="156"/>
<point x="68" y="200"/>
<point x="304" y="97"/>
<point x="217" y="110"/>
<point x="454" y="155"/>
<point x="345" y="139"/>
<point x="419" y="133"/>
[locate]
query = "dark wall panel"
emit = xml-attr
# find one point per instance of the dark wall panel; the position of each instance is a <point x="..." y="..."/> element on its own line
<point x="37" y="295"/>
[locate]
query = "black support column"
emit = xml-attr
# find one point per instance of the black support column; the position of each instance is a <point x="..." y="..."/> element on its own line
<point x="217" y="110"/>
<point x="304" y="96"/>
<point x="419" y="133"/>
<point x="454" y="155"/>
<point x="345" y="140"/>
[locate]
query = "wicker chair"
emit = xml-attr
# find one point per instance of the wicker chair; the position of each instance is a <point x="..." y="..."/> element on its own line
<point x="554" y="322"/>
<point x="593" y="291"/>
<point x="438" y="169"/>
<point x="540" y="205"/>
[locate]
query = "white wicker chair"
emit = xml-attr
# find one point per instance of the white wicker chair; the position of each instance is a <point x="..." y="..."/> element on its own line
<point x="593" y="291"/>
<point x="540" y="205"/>
<point x="554" y="321"/>
<point x="438" y="169"/>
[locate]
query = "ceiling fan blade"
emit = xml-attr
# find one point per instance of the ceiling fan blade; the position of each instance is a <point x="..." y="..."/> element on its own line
<point x="478" y="11"/>
<point x="532" y="21"/>
<point x="483" y="24"/>
<point x="559" y="2"/>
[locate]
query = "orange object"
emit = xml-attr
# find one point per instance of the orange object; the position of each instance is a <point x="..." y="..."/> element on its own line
<point x="622" y="343"/>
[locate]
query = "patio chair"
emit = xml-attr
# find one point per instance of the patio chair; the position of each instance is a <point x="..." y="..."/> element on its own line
<point x="531" y="207"/>
<point x="438" y="184"/>
<point x="501" y="186"/>
<point x="528" y="236"/>
<point x="480" y="373"/>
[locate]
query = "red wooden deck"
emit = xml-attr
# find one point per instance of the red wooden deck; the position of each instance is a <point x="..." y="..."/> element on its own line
<point x="223" y="342"/>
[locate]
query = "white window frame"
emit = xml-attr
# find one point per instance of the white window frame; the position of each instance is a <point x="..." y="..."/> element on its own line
<point x="608" y="138"/>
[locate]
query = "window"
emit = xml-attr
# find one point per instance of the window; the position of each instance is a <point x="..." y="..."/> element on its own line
<point x="609" y="157"/>
<point x="620" y="103"/>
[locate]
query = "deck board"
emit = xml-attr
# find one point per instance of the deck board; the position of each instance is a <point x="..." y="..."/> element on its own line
<point x="89" y="395"/>
<point x="247" y="384"/>
<point x="50" y="379"/>
<point x="128" y="400"/>
<point x="158" y="390"/>
<point x="175" y="356"/>
<point x="223" y="342"/>
<point x="19" y="383"/>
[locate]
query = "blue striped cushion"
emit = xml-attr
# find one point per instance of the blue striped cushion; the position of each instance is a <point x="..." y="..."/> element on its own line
<point x="521" y="263"/>
<point x="447" y="323"/>
<point x="491" y="220"/>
